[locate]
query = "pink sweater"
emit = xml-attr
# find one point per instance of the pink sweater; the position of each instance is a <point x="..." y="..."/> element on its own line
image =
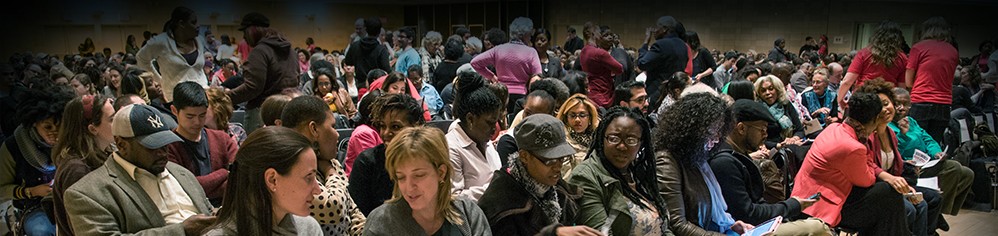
<point x="362" y="138"/>
<point x="514" y="63"/>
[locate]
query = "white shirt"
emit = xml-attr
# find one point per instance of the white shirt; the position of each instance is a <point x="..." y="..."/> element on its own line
<point x="472" y="169"/>
<point x="164" y="190"/>
<point x="173" y="68"/>
<point x="226" y="52"/>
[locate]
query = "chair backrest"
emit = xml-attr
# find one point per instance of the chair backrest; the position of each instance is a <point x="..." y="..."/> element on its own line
<point x="238" y="116"/>
<point x="440" y="124"/>
<point x="341" y="146"/>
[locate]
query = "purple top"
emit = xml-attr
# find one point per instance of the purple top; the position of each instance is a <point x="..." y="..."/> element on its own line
<point x="514" y="63"/>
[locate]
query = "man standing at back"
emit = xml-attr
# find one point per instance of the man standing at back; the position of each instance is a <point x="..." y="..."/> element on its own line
<point x="137" y="191"/>
<point x="662" y="55"/>
<point x="368" y="53"/>
<point x="271" y="67"/>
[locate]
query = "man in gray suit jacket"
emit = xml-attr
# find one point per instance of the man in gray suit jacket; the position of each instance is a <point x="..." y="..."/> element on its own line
<point x="137" y="191"/>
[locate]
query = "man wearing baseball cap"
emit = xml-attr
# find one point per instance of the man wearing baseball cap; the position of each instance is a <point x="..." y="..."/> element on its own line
<point x="137" y="190"/>
<point x="742" y="182"/>
<point x="531" y="197"/>
<point x="270" y="68"/>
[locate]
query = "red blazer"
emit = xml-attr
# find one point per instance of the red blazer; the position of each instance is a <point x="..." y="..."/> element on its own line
<point x="836" y="162"/>
<point x="221" y="150"/>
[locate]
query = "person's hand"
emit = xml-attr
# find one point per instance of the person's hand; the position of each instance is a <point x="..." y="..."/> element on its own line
<point x="195" y="224"/>
<point x="580" y="230"/>
<point x="762" y="153"/>
<point x="899" y="184"/>
<point x="904" y="125"/>
<point x="805" y="203"/>
<point x="740" y="227"/>
<point x="914" y="198"/>
<point x="940" y="155"/>
<point x="987" y="86"/>
<point x="40" y="191"/>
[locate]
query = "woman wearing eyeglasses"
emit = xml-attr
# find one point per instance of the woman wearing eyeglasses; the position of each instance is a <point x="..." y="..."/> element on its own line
<point x="619" y="192"/>
<point x="581" y="119"/>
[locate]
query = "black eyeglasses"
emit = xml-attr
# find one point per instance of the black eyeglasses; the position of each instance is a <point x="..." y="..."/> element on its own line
<point x="549" y="162"/>
<point x="629" y="141"/>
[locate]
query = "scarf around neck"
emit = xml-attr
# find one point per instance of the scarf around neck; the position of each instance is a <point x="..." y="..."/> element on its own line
<point x="583" y="138"/>
<point x="545" y="196"/>
<point x="34" y="150"/>
<point x="777" y="110"/>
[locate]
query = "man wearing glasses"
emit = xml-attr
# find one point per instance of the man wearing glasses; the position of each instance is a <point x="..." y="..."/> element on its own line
<point x="631" y="94"/>
<point x="530" y="197"/>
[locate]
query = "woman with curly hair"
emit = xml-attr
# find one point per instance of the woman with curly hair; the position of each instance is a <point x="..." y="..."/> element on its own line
<point x="26" y="166"/>
<point x="618" y="192"/>
<point x="890" y="167"/>
<point x="581" y="119"/>
<point x="687" y="132"/>
<point x="882" y="58"/>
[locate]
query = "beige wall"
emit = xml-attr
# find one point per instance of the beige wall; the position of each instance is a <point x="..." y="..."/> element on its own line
<point x="743" y="25"/>
<point x="59" y="29"/>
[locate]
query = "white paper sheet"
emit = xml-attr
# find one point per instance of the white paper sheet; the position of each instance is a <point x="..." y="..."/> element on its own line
<point x="931" y="183"/>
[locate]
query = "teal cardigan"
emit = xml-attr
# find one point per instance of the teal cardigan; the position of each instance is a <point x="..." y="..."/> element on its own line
<point x="916" y="138"/>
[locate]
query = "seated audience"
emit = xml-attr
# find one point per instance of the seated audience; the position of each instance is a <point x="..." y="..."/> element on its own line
<point x="472" y="154"/>
<point x="671" y="89"/>
<point x="742" y="181"/>
<point x="137" y="190"/>
<point x="689" y="130"/>
<point x="580" y="117"/>
<point x="333" y="207"/>
<point x="531" y="198"/>
<point x="265" y="194"/>
<point x="370" y="185"/>
<point x="836" y="166"/>
<point x="887" y="164"/>
<point x="26" y="166"/>
<point x="954" y="178"/>
<point x="616" y="179"/>
<point x="84" y="147"/>
<point x="422" y="200"/>
<point x="205" y="152"/>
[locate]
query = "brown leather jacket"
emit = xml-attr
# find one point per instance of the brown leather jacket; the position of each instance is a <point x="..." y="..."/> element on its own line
<point x="683" y="189"/>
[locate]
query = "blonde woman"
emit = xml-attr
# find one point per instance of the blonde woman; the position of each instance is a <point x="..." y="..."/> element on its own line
<point x="580" y="117"/>
<point x="421" y="202"/>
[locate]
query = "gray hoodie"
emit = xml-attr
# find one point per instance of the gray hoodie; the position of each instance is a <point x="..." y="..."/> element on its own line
<point x="395" y="218"/>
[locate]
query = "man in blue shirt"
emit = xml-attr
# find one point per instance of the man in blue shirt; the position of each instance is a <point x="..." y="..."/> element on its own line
<point x="409" y="56"/>
<point x="426" y="90"/>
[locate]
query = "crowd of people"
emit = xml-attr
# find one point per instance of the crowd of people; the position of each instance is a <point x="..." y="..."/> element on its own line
<point x="503" y="134"/>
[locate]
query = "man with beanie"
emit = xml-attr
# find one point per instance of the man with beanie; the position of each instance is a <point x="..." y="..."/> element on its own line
<point x="531" y="198"/>
<point x="137" y="191"/>
<point x="741" y="179"/>
<point x="271" y="67"/>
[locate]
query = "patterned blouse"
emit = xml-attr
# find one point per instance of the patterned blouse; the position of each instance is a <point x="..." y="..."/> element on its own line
<point x="334" y="208"/>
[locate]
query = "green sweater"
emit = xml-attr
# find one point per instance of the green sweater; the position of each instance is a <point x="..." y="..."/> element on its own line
<point x="916" y="138"/>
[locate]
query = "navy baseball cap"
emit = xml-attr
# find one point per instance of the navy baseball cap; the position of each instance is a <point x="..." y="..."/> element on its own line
<point x="146" y="124"/>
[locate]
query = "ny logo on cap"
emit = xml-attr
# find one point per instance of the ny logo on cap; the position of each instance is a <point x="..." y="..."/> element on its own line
<point x="155" y="121"/>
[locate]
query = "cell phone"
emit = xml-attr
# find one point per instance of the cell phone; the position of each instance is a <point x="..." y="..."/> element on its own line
<point x="815" y="196"/>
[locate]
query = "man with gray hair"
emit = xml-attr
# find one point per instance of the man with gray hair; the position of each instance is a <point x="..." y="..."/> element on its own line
<point x="431" y="54"/>
<point x="514" y="62"/>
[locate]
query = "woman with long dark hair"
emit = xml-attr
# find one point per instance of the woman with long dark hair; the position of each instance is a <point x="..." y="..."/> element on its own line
<point x="617" y="178"/>
<point x="270" y="187"/>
